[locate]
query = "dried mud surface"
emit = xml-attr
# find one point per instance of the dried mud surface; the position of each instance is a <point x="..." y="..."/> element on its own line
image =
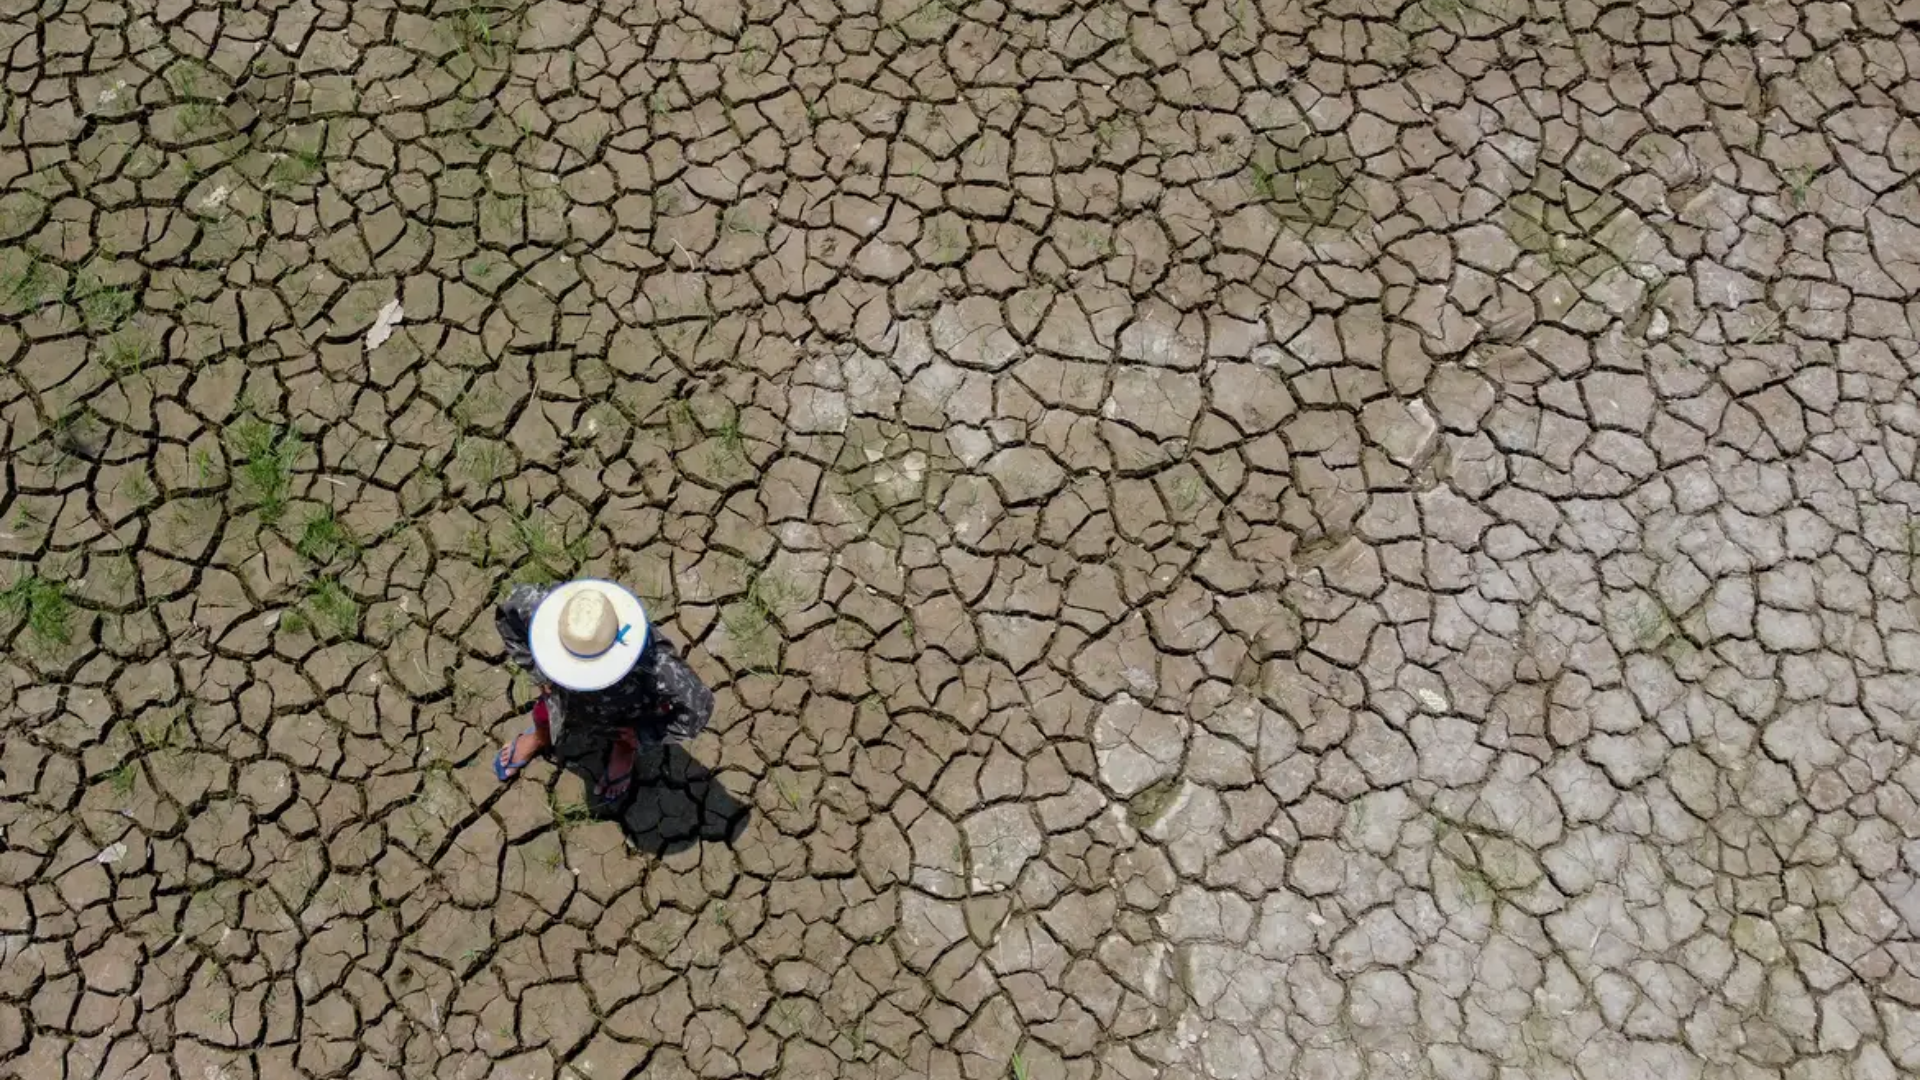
<point x="1264" y="538"/>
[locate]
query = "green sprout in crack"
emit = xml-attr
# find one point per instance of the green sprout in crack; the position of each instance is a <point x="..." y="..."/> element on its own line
<point x="295" y="167"/>
<point x="730" y="438"/>
<point x="546" y="554"/>
<point x="266" y="454"/>
<point x="790" y="793"/>
<point x="483" y="29"/>
<point x="205" y="472"/>
<point x="123" y="779"/>
<point x="165" y="732"/>
<point x="325" y="537"/>
<point x="1265" y="181"/>
<point x="750" y="619"/>
<point x="126" y="354"/>
<point x="138" y="489"/>
<point x="1798" y="182"/>
<point x="198" y="116"/>
<point x="42" y="605"/>
<point x="567" y="815"/>
<point x="103" y="308"/>
<point x="31" y="284"/>
<point x="483" y="460"/>
<point x="332" y="608"/>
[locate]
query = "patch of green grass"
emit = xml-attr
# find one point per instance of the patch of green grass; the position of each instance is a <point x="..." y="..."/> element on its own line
<point x="1019" y="1066"/>
<point x="749" y="619"/>
<point x="1798" y="183"/>
<point x="332" y="608"/>
<point x="1265" y="181"/>
<point x="42" y="605"/>
<point x="166" y="731"/>
<point x="265" y="453"/>
<point x="484" y="30"/>
<point x="546" y="554"/>
<point x="103" y="308"/>
<point x="325" y="537"/>
<point x="138" y="489"/>
<point x="123" y="779"/>
<point x="29" y="282"/>
<point x="296" y="167"/>
<point x="198" y="116"/>
<point x="126" y="354"/>
<point x="569" y="814"/>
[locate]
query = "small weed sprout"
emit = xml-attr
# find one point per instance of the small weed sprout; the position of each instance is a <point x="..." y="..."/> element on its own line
<point x="1798" y="183"/>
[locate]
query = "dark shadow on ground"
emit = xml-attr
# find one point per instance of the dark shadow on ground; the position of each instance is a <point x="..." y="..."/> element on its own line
<point x="675" y="803"/>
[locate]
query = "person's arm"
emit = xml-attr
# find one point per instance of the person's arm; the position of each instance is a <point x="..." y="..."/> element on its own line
<point x="673" y="704"/>
<point x="514" y="618"/>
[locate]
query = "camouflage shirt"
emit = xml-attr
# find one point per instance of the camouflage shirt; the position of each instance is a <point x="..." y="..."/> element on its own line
<point x="661" y="699"/>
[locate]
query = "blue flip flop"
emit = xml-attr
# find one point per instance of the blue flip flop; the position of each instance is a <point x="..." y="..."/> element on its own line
<point x="511" y="768"/>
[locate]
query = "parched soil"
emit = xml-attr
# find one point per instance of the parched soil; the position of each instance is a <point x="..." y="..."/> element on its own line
<point x="1246" y="539"/>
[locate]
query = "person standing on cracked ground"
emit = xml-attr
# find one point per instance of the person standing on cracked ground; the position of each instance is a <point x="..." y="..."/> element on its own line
<point x="601" y="666"/>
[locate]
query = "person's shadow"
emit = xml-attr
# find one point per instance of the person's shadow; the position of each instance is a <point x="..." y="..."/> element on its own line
<point x="674" y="802"/>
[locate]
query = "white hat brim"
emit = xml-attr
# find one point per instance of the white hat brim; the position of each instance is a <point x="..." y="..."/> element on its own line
<point x="561" y="666"/>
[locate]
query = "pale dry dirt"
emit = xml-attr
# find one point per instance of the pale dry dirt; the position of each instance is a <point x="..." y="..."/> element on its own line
<point x="1268" y="538"/>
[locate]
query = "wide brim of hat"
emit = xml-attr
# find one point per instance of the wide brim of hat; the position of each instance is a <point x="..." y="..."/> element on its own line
<point x="563" y="668"/>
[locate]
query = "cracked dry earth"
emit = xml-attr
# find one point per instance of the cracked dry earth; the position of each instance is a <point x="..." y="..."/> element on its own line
<point x="1265" y="539"/>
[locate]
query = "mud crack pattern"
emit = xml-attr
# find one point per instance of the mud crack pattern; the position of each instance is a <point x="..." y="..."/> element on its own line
<point x="1349" y="539"/>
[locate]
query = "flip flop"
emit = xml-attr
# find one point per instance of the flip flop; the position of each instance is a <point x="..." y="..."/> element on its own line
<point x="510" y="769"/>
<point x="605" y="792"/>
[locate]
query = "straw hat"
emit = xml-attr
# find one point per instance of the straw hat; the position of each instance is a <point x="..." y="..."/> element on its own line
<point x="586" y="635"/>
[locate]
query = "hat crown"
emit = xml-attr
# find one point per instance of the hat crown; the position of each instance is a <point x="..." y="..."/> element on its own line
<point x="588" y="624"/>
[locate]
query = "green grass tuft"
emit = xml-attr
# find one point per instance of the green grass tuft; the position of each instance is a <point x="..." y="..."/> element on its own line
<point x="325" y="538"/>
<point x="42" y="605"/>
<point x="266" y="453"/>
<point x="546" y="555"/>
<point x="333" y="610"/>
<point x="126" y="354"/>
